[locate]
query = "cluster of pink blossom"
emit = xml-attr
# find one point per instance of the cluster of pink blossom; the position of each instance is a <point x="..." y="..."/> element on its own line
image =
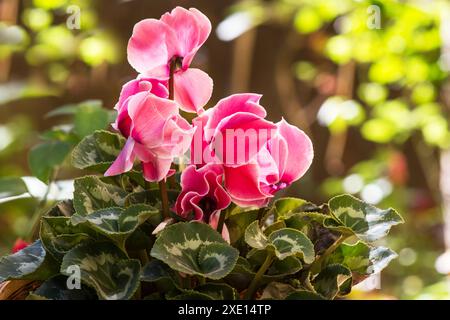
<point x="237" y="155"/>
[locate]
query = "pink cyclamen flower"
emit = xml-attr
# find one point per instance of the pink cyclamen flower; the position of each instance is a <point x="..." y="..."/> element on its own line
<point x="202" y="196"/>
<point x="174" y="40"/>
<point x="233" y="131"/>
<point x="283" y="160"/>
<point x="142" y="84"/>
<point x="157" y="134"/>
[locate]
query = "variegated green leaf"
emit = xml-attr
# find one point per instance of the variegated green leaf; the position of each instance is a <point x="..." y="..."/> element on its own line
<point x="105" y="268"/>
<point x="367" y="222"/>
<point x="285" y="207"/>
<point x="286" y="242"/>
<point x="116" y="223"/>
<point x="301" y="219"/>
<point x="333" y="280"/>
<point x="255" y="237"/>
<point x="363" y="258"/>
<point x="291" y="242"/>
<point x="56" y="288"/>
<point x="58" y="235"/>
<point x="31" y="263"/>
<point x="92" y="194"/>
<point x="195" y="248"/>
<point x="237" y="224"/>
<point x="97" y="151"/>
<point x="151" y="197"/>
<point x="156" y="270"/>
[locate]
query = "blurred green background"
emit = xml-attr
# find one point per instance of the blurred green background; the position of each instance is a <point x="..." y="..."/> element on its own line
<point x="367" y="80"/>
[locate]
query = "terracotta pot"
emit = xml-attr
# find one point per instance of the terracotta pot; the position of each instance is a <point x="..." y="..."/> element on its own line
<point x="17" y="289"/>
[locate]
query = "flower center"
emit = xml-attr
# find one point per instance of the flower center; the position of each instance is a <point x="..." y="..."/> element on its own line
<point x="176" y="63"/>
<point x="208" y="206"/>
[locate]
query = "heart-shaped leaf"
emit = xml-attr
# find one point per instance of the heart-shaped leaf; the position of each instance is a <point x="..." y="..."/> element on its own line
<point x="156" y="270"/>
<point x="255" y="237"/>
<point x="367" y="222"/>
<point x="105" y="268"/>
<point x="44" y="157"/>
<point x="58" y="235"/>
<point x="237" y="224"/>
<point x="116" y="223"/>
<point x="97" y="151"/>
<point x="89" y="117"/>
<point x="333" y="280"/>
<point x="195" y="248"/>
<point x="92" y="194"/>
<point x="286" y="242"/>
<point x="290" y="242"/>
<point x="31" y="263"/>
<point x="363" y="258"/>
<point x="285" y="207"/>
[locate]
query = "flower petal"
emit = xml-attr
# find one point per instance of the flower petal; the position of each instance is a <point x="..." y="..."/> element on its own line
<point x="158" y="169"/>
<point x="149" y="115"/>
<point x="300" y="152"/>
<point x="191" y="29"/>
<point x="124" y="161"/>
<point x="193" y="89"/>
<point x="147" y="48"/>
<point x="242" y="183"/>
<point x="243" y="102"/>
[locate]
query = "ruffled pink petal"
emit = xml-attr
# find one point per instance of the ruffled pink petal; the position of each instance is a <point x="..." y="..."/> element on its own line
<point x="193" y="180"/>
<point x="300" y="152"/>
<point x="193" y="89"/>
<point x="147" y="47"/>
<point x="242" y="183"/>
<point x="223" y="199"/>
<point x="124" y="161"/>
<point x="243" y="102"/>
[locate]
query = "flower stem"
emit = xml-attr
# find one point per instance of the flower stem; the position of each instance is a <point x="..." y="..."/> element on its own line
<point x="255" y="282"/>
<point x="162" y="183"/>
<point x="164" y="198"/>
<point x="171" y="80"/>
<point x="221" y="222"/>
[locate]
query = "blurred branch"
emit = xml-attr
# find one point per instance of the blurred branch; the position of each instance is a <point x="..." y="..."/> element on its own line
<point x="242" y="61"/>
<point x="285" y="83"/>
<point x="8" y="13"/>
<point x="337" y="142"/>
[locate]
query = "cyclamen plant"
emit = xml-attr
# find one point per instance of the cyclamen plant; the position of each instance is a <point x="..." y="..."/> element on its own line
<point x="149" y="227"/>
